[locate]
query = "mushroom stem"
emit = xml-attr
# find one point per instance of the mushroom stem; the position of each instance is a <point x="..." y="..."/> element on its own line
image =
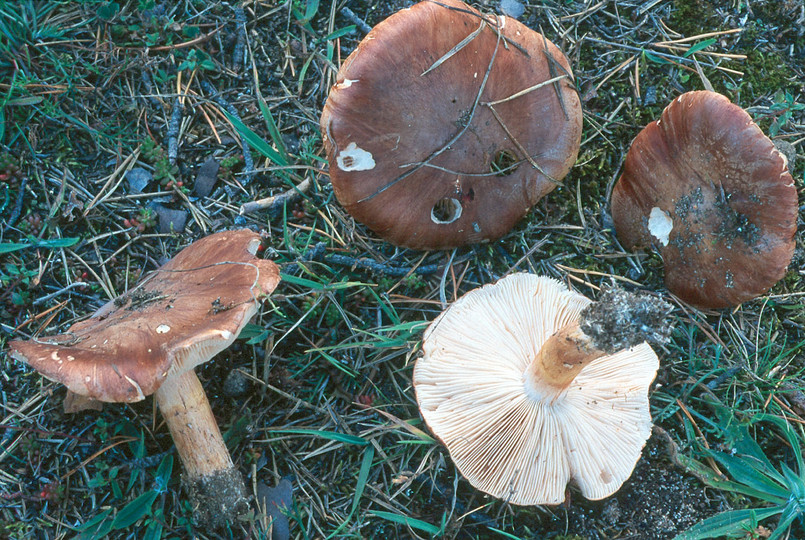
<point x="563" y="355"/>
<point x="187" y="412"/>
<point x="214" y="484"/>
<point x="618" y="320"/>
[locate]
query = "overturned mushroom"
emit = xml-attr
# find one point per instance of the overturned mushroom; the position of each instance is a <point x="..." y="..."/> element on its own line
<point x="530" y="385"/>
<point x="149" y="340"/>
<point x="445" y="126"/>
<point x="706" y="187"/>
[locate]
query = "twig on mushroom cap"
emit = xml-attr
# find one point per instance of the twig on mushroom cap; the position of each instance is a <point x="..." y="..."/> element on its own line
<point x="448" y="142"/>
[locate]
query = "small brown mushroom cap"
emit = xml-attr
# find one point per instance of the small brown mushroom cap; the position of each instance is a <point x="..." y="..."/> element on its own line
<point x="408" y="156"/>
<point x="508" y="433"/>
<point x="183" y="314"/>
<point x="713" y="194"/>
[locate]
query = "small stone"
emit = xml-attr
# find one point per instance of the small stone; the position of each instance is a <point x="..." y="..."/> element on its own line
<point x="206" y="178"/>
<point x="277" y="501"/>
<point x="512" y="8"/>
<point x="138" y="179"/>
<point x="170" y="221"/>
<point x="236" y="384"/>
<point x="650" y="96"/>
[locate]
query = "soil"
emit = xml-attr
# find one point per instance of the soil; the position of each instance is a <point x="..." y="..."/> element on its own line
<point x="658" y="502"/>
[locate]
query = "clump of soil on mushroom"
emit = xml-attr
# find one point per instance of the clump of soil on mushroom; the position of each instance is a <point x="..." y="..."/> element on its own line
<point x="620" y="320"/>
<point x="732" y="225"/>
<point x="218" y="494"/>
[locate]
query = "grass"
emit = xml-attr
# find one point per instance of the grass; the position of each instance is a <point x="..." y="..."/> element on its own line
<point x="321" y="392"/>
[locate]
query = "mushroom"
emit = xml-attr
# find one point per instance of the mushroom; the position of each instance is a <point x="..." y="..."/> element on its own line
<point x="706" y="187"/>
<point x="528" y="385"/>
<point x="148" y="341"/>
<point x="445" y="125"/>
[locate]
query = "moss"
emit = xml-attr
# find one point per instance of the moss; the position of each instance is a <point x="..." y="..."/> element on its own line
<point x="688" y="17"/>
<point x="765" y="73"/>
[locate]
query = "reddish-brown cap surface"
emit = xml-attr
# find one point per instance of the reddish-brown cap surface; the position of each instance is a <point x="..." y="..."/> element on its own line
<point x="411" y="154"/>
<point x="180" y="316"/>
<point x="712" y="193"/>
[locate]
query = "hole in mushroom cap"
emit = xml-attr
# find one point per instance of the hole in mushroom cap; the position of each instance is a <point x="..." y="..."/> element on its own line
<point x="504" y="163"/>
<point x="445" y="211"/>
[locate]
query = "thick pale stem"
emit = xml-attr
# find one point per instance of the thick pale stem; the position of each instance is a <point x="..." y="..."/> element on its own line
<point x="187" y="412"/>
<point x="563" y="356"/>
<point x="214" y="486"/>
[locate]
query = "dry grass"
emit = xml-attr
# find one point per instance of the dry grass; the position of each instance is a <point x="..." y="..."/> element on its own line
<point x="321" y="392"/>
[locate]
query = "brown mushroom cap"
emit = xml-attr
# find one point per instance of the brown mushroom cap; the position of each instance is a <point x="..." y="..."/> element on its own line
<point x="183" y="314"/>
<point x="712" y="193"/>
<point x="482" y="390"/>
<point x="410" y="159"/>
<point x="150" y="339"/>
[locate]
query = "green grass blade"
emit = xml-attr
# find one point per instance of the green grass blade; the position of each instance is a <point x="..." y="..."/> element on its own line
<point x="744" y="470"/>
<point x="790" y="513"/>
<point x="338" y="365"/>
<point x="153" y="531"/>
<point x="791" y="436"/>
<point x="699" y="46"/>
<point x="414" y="523"/>
<point x="504" y="534"/>
<point x="727" y="523"/>
<point x="311" y="7"/>
<point x="255" y="141"/>
<point x="795" y="484"/>
<point x="97" y="527"/>
<point x="164" y="473"/>
<point x="363" y="476"/>
<point x="135" y="510"/>
<point x="330" y="435"/>
<point x="360" y="485"/>
<point x="320" y="285"/>
<point x="714" y="480"/>
<point x="273" y="131"/>
<point x="339" y="33"/>
<point x="54" y="243"/>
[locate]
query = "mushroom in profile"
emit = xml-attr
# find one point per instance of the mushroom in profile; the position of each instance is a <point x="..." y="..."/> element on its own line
<point x="149" y="340"/>
<point x="713" y="194"/>
<point x="445" y="126"/>
<point x="529" y="385"/>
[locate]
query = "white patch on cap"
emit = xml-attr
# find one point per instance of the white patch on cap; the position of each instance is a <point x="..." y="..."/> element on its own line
<point x="660" y="225"/>
<point x="226" y="334"/>
<point x="55" y="355"/>
<point x="163" y="329"/>
<point x="353" y="158"/>
<point x="346" y="83"/>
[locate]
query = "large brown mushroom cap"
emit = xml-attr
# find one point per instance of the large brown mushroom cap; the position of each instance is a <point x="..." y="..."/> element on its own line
<point x="713" y="194"/>
<point x="513" y="435"/>
<point x="187" y="311"/>
<point x="409" y="157"/>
